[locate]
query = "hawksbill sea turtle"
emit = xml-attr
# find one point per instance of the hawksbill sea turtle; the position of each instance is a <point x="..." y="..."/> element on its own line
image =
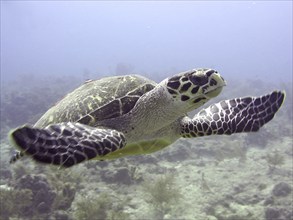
<point x="119" y="116"/>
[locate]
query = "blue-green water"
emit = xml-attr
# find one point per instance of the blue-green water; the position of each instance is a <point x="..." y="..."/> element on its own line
<point x="48" y="49"/>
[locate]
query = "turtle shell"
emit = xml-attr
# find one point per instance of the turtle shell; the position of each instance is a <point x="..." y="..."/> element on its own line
<point x="97" y="100"/>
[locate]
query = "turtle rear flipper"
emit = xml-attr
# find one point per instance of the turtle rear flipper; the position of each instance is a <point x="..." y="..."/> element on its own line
<point x="246" y="114"/>
<point x="66" y="144"/>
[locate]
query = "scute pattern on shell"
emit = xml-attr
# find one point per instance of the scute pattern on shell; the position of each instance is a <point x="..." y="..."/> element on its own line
<point x="96" y="100"/>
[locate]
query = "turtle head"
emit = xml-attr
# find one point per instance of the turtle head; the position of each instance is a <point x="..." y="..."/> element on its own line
<point x="195" y="87"/>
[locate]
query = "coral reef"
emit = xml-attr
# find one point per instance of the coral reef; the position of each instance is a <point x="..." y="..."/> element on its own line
<point x="162" y="194"/>
<point x="65" y="197"/>
<point x="121" y="175"/>
<point x="272" y="213"/>
<point x="274" y="160"/>
<point x="219" y="177"/>
<point x="42" y="194"/>
<point x="100" y="206"/>
<point x="15" y="203"/>
<point x="282" y="189"/>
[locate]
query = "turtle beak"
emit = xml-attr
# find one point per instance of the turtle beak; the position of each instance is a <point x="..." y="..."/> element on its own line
<point x="216" y="84"/>
<point x="213" y="93"/>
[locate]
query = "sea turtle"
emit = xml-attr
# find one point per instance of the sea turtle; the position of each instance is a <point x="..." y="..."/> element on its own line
<point x="130" y="115"/>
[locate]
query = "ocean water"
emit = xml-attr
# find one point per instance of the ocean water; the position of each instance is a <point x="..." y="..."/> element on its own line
<point x="50" y="48"/>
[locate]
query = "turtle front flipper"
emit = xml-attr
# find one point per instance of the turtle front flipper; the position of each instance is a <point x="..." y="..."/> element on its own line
<point x="66" y="144"/>
<point x="246" y="114"/>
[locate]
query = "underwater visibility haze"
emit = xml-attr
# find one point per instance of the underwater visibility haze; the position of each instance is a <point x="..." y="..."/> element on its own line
<point x="164" y="139"/>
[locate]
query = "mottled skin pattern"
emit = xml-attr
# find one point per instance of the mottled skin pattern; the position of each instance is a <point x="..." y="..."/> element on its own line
<point x="233" y="116"/>
<point x="92" y="141"/>
<point x="131" y="115"/>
